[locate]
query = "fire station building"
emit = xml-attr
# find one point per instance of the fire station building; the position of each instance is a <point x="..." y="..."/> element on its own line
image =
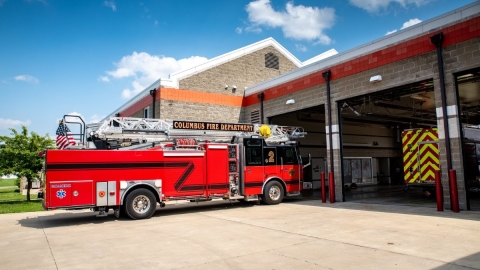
<point x="377" y="116"/>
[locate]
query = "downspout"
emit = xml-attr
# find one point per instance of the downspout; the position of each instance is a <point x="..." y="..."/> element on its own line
<point x="326" y="75"/>
<point x="152" y="93"/>
<point x="260" y="97"/>
<point x="339" y="113"/>
<point x="437" y="40"/>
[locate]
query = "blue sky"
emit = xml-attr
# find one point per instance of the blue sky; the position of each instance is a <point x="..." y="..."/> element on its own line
<point x="87" y="57"/>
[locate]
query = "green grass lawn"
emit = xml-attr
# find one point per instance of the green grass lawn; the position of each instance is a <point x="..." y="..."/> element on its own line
<point x="7" y="182"/>
<point x="11" y="194"/>
<point x="11" y="201"/>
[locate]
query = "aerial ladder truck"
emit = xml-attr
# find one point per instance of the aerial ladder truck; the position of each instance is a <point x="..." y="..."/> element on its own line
<point x="128" y="165"/>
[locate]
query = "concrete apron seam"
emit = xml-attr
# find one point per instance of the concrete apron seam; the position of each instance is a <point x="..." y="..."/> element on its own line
<point x="247" y="254"/>
<point x="294" y="258"/>
<point x="46" y="238"/>
<point x="335" y="241"/>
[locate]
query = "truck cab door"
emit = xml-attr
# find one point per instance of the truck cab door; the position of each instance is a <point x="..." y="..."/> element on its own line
<point x="253" y="173"/>
<point x="270" y="159"/>
<point x="291" y="170"/>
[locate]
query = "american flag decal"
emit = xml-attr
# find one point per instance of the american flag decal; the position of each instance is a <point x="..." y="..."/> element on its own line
<point x="64" y="136"/>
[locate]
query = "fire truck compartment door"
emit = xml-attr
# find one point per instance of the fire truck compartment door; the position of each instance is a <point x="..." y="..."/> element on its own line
<point x="106" y="193"/>
<point x="71" y="193"/>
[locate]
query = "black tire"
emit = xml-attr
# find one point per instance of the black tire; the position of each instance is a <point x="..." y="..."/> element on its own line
<point x="273" y="193"/>
<point x="140" y="204"/>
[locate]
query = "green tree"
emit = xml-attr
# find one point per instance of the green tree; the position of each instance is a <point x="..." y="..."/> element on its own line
<point x="19" y="155"/>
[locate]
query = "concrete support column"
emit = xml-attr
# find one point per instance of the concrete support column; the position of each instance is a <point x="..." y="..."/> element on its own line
<point x="449" y="127"/>
<point x="337" y="159"/>
<point x="333" y="139"/>
<point x="454" y="126"/>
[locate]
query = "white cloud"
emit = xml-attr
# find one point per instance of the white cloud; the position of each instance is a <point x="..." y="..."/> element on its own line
<point x="374" y="6"/>
<point x="405" y="25"/>
<point x="146" y="68"/>
<point x="127" y="93"/>
<point x="410" y="23"/>
<point x="253" y="29"/>
<point x="104" y="79"/>
<point x="96" y="118"/>
<point x="239" y="30"/>
<point x="11" y="123"/>
<point x="155" y="23"/>
<point x="111" y="4"/>
<point x="301" y="47"/>
<point x="391" y="32"/>
<point x="26" y="78"/>
<point x="297" y="22"/>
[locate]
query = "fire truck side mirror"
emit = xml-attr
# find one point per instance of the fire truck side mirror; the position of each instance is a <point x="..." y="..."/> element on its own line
<point x="309" y="161"/>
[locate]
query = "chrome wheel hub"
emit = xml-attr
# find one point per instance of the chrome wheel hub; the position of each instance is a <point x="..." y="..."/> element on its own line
<point x="274" y="193"/>
<point x="141" y="204"/>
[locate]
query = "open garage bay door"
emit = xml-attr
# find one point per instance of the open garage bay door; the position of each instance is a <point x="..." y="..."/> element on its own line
<point x="372" y="127"/>
<point x="468" y="92"/>
<point x="390" y="148"/>
<point x="313" y="121"/>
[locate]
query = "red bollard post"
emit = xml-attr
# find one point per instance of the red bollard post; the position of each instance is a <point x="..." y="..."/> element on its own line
<point x="331" y="187"/>
<point x="322" y="182"/>
<point x="439" y="191"/>
<point x="453" y="190"/>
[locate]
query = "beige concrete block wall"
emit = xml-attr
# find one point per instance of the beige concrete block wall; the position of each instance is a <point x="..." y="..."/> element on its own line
<point x="242" y="72"/>
<point x="180" y="110"/>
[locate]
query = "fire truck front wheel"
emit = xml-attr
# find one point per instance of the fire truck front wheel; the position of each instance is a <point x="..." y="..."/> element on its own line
<point x="273" y="193"/>
<point x="140" y="204"/>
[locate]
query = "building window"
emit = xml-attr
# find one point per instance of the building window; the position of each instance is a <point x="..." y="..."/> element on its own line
<point x="255" y="117"/>
<point x="146" y="112"/>
<point x="271" y="61"/>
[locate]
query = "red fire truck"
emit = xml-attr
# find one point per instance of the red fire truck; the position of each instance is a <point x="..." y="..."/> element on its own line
<point x="131" y="164"/>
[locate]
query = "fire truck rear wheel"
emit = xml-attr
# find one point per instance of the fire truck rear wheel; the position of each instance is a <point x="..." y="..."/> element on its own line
<point x="273" y="193"/>
<point x="140" y="204"/>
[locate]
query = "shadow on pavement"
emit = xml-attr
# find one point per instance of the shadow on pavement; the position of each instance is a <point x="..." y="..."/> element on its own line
<point x="75" y="218"/>
<point x="63" y="219"/>
<point x="414" y="204"/>
<point x="470" y="261"/>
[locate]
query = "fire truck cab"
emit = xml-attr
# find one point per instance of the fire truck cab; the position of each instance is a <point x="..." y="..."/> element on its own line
<point x="130" y="170"/>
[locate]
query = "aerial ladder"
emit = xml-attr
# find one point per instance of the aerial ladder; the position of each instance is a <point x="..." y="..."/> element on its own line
<point x="137" y="133"/>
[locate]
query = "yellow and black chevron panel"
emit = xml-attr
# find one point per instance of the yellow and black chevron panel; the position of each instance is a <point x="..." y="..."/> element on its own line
<point x="420" y="155"/>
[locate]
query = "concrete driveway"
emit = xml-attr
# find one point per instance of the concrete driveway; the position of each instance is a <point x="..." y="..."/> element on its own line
<point x="221" y="235"/>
